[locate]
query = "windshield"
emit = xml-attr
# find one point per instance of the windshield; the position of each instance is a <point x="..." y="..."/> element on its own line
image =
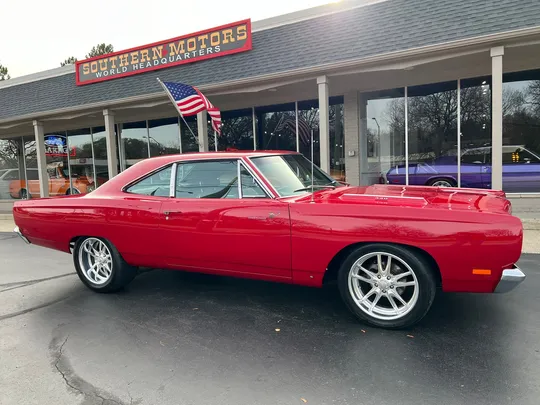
<point x="289" y="174"/>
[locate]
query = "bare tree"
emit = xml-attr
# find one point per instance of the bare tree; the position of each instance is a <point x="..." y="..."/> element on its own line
<point x="4" y="73"/>
<point x="100" y="49"/>
<point x="69" y="61"/>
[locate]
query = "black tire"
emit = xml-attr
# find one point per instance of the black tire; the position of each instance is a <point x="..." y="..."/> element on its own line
<point x="451" y="182"/>
<point x="425" y="279"/>
<point x="121" y="273"/>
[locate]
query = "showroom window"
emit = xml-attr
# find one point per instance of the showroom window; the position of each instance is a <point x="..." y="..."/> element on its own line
<point x="164" y="136"/>
<point x="521" y="132"/>
<point x="276" y="127"/>
<point x="384" y="143"/>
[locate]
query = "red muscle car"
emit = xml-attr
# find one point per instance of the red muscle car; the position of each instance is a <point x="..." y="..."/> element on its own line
<point x="272" y="216"/>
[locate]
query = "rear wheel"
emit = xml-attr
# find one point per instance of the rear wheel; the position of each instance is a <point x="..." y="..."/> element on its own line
<point x="442" y="182"/>
<point x="386" y="285"/>
<point x="99" y="265"/>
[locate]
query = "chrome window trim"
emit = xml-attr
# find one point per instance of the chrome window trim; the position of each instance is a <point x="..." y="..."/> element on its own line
<point x="257" y="180"/>
<point x="239" y="177"/>
<point x="172" y="184"/>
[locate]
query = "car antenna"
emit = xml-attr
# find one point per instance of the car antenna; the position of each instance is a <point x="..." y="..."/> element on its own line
<point x="312" y="185"/>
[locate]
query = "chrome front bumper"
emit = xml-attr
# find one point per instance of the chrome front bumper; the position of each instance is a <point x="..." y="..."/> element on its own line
<point x="509" y="280"/>
<point x="18" y="232"/>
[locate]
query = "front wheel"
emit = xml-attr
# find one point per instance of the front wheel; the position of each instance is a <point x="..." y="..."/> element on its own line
<point x="386" y="285"/>
<point x="99" y="265"/>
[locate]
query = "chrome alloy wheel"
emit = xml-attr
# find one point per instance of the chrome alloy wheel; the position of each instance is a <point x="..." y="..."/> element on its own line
<point x="442" y="183"/>
<point x="383" y="286"/>
<point x="95" y="261"/>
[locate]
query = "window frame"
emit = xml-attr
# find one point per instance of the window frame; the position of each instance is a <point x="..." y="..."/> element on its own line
<point x="174" y="167"/>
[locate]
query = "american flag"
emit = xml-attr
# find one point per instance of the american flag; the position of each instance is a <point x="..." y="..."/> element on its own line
<point x="304" y="130"/>
<point x="190" y="101"/>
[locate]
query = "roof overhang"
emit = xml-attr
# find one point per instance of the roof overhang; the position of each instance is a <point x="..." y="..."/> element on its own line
<point x="398" y="60"/>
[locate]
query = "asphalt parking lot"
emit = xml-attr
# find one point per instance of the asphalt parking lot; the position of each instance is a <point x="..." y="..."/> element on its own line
<point x="179" y="338"/>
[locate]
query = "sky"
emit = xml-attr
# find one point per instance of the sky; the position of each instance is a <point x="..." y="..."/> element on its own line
<point x="38" y="35"/>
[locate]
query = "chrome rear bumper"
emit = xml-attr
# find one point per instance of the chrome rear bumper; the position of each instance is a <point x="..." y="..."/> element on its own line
<point x="509" y="280"/>
<point x="18" y="232"/>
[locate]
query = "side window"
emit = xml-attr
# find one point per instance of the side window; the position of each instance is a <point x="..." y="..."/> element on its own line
<point x="518" y="156"/>
<point x="215" y="179"/>
<point x="473" y="156"/>
<point x="250" y="188"/>
<point x="212" y="179"/>
<point x="157" y="184"/>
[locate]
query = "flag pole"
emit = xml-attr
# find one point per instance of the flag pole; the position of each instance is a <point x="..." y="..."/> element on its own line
<point x="178" y="110"/>
<point x="215" y="141"/>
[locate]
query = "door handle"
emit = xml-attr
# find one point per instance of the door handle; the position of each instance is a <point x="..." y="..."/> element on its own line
<point x="171" y="212"/>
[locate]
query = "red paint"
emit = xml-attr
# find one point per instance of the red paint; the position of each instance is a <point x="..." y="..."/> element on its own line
<point x="247" y="47"/>
<point x="461" y="229"/>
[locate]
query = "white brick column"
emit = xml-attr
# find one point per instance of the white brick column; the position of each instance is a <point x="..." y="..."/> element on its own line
<point x="39" y="134"/>
<point x="110" y="139"/>
<point x="324" y="124"/>
<point x="351" y="130"/>
<point x="202" y="130"/>
<point x="496" y="117"/>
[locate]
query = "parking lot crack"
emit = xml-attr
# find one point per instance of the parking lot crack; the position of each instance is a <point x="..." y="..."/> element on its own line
<point x="76" y="384"/>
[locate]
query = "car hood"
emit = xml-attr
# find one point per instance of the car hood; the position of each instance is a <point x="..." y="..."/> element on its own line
<point x="470" y="199"/>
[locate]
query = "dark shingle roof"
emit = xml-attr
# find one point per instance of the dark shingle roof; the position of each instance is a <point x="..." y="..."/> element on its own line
<point x="384" y="27"/>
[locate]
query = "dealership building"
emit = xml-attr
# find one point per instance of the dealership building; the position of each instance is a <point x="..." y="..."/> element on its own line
<point x="400" y="91"/>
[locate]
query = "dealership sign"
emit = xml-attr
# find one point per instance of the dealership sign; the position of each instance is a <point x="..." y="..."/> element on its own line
<point x="56" y="145"/>
<point x="220" y="41"/>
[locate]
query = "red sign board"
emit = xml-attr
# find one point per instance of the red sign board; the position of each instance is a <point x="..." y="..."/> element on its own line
<point x="220" y="41"/>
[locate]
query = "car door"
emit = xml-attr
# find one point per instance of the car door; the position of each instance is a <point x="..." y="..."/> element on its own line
<point x="214" y="225"/>
<point x="521" y="170"/>
<point x="133" y="220"/>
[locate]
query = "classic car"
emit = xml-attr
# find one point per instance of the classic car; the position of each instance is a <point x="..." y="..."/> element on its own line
<point x="58" y="181"/>
<point x="272" y="215"/>
<point x="521" y="170"/>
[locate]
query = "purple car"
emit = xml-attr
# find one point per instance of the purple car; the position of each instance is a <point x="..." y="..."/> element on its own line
<point x="521" y="170"/>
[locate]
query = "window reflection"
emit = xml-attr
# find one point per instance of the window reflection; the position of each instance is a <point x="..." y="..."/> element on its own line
<point x="384" y="143"/>
<point x="475" y="100"/>
<point x="277" y="127"/>
<point x="236" y="130"/>
<point x="100" y="155"/>
<point x="81" y="163"/>
<point x="190" y="141"/>
<point x="521" y="132"/>
<point x="134" y="142"/>
<point x="432" y="111"/>
<point x="11" y="166"/>
<point x="337" y="141"/>
<point x="308" y="121"/>
<point x="164" y="136"/>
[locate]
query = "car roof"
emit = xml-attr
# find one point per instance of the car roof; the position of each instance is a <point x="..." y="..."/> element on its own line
<point x="220" y="155"/>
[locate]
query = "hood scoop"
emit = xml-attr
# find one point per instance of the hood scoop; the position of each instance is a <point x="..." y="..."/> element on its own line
<point x="391" y="200"/>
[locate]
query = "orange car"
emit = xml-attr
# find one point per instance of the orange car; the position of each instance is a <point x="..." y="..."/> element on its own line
<point x="58" y="184"/>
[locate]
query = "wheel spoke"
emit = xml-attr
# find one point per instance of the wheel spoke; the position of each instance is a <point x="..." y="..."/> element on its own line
<point x="401" y="275"/>
<point x="375" y="301"/>
<point x="365" y="280"/>
<point x="392" y="302"/>
<point x="379" y="264"/>
<point x="388" y="265"/>
<point x="404" y="284"/>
